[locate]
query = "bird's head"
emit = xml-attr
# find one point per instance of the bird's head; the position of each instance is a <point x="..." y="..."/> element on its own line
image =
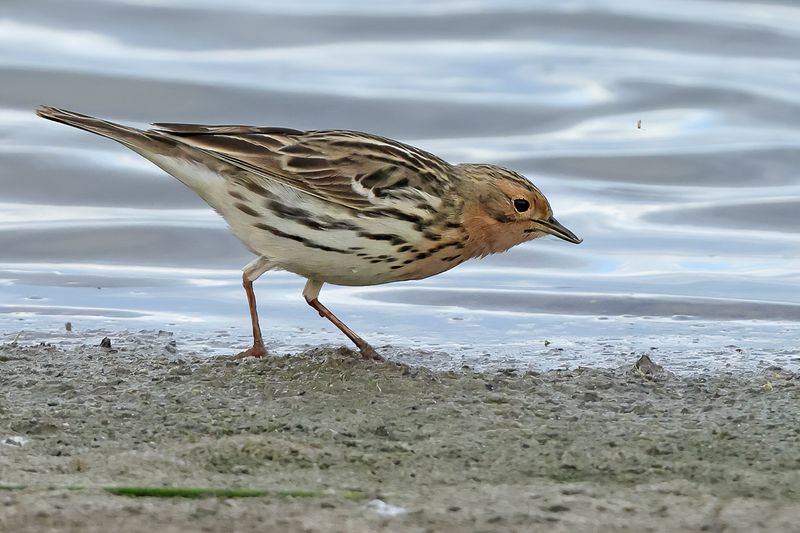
<point x="503" y="209"/>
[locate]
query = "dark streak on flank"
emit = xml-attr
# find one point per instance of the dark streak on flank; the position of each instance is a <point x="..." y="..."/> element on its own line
<point x="451" y="258"/>
<point x="287" y="211"/>
<point x="394" y="239"/>
<point x="237" y="195"/>
<point x="405" y="248"/>
<point x="453" y="225"/>
<point x="244" y="208"/>
<point x="306" y="218"/>
<point x="422" y="255"/>
<point x="298" y="238"/>
<point x="395" y="267"/>
<point x="445" y="245"/>
<point x="431" y="236"/>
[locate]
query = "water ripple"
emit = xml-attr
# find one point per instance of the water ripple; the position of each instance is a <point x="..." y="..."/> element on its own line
<point x="665" y="133"/>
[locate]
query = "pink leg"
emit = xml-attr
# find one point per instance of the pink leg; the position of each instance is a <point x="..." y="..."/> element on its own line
<point x="310" y="292"/>
<point x="251" y="272"/>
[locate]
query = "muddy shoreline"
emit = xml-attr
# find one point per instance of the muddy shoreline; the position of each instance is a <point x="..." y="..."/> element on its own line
<point x="343" y="445"/>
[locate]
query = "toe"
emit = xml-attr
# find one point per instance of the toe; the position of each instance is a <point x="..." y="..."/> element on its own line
<point x="257" y="351"/>
<point x="369" y="353"/>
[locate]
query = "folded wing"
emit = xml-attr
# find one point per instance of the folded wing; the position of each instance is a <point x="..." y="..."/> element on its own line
<point x="349" y="168"/>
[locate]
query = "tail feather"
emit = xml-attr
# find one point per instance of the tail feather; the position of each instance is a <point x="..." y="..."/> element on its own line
<point x="131" y="137"/>
<point x="170" y="154"/>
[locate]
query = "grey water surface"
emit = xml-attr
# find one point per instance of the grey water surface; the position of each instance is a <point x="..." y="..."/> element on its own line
<point x="691" y="222"/>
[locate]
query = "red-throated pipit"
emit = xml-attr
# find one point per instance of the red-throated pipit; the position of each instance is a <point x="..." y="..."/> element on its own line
<point x="338" y="206"/>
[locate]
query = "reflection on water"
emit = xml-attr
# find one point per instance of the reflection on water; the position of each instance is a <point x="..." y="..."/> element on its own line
<point x="690" y="222"/>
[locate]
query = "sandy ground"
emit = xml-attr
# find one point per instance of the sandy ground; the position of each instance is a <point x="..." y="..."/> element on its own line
<point x="380" y="447"/>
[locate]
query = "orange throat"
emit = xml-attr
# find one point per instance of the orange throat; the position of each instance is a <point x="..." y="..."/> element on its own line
<point x="489" y="236"/>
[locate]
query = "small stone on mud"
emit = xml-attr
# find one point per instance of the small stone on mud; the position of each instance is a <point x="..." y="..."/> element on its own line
<point x="15" y="440"/>
<point x="590" y="396"/>
<point x="646" y="368"/>
<point x="105" y="343"/>
<point x="68" y="326"/>
<point x="385" y="509"/>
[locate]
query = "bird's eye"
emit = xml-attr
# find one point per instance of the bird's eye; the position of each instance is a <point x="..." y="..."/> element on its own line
<point x="521" y="205"/>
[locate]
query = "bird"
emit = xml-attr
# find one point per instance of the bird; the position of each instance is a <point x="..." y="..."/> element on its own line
<point x="338" y="206"/>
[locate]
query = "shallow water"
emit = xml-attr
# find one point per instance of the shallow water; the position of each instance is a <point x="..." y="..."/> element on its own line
<point x="691" y="222"/>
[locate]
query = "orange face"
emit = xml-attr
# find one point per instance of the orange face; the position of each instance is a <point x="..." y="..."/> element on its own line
<point x="506" y="210"/>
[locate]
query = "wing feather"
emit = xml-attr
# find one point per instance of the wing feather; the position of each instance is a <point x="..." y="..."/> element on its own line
<point x="349" y="168"/>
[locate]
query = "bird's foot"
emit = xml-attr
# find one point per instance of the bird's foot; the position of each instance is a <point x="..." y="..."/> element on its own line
<point x="368" y="353"/>
<point x="257" y="351"/>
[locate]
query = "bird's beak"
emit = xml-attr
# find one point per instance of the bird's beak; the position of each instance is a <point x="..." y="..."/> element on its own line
<point x="554" y="227"/>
